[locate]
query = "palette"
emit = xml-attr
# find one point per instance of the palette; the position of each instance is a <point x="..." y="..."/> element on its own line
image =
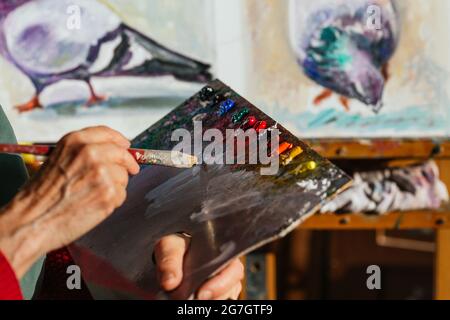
<point x="228" y="209"/>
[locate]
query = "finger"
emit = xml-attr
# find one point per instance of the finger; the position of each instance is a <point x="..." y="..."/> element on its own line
<point x="100" y="134"/>
<point x="118" y="174"/>
<point x="106" y="153"/>
<point x="169" y="254"/>
<point x="233" y="294"/>
<point x="237" y="291"/>
<point x="223" y="282"/>
<point x="121" y="196"/>
<point x="121" y="157"/>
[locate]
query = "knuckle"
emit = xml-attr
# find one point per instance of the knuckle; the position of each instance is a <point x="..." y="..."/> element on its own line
<point x="109" y="193"/>
<point x="100" y="174"/>
<point x="121" y="156"/>
<point x="108" y="210"/>
<point x="103" y="127"/>
<point x="65" y="139"/>
<point x="72" y="138"/>
<point x="89" y="153"/>
<point x="106" y="195"/>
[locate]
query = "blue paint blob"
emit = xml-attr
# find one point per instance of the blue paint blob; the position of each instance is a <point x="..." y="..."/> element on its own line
<point x="226" y="106"/>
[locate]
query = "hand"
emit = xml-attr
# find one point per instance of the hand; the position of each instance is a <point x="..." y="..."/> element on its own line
<point x="80" y="185"/>
<point x="169" y="253"/>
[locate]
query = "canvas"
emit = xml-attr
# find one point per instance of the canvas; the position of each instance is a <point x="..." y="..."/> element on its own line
<point x="140" y="58"/>
<point x="345" y="68"/>
<point x="411" y="48"/>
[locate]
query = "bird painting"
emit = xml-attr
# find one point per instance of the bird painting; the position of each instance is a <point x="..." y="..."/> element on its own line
<point x="345" y="46"/>
<point x="36" y="37"/>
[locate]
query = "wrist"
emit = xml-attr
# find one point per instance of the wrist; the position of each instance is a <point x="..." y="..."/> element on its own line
<point x="20" y="241"/>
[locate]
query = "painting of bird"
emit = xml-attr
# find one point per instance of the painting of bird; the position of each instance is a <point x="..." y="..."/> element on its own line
<point x="345" y="46"/>
<point x="35" y="37"/>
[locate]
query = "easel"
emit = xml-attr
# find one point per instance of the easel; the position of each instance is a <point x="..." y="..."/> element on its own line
<point x="261" y="267"/>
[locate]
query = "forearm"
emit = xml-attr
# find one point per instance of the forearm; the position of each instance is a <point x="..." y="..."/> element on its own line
<point x="20" y="240"/>
<point x="80" y="185"/>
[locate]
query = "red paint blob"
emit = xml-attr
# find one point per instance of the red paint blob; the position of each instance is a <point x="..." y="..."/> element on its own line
<point x="260" y="126"/>
<point x="251" y="121"/>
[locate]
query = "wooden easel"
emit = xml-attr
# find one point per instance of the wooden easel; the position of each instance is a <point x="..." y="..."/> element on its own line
<point x="393" y="151"/>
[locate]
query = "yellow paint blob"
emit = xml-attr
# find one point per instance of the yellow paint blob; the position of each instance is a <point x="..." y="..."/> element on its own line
<point x="28" y="158"/>
<point x="292" y="155"/>
<point x="311" y="165"/>
<point x="303" y="167"/>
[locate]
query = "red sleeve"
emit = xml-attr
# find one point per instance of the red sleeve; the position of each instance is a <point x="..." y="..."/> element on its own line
<point x="9" y="285"/>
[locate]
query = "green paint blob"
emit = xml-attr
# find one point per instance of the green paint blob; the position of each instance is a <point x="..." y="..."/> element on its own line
<point x="238" y="116"/>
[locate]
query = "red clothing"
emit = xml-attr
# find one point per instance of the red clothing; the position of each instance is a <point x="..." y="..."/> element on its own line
<point x="9" y="285"/>
<point x="53" y="282"/>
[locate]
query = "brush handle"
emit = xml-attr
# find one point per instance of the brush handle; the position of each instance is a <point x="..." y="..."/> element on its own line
<point x="153" y="157"/>
<point x="168" y="158"/>
<point x="38" y="150"/>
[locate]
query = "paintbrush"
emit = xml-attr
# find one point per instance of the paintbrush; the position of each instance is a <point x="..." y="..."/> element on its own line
<point x="166" y="158"/>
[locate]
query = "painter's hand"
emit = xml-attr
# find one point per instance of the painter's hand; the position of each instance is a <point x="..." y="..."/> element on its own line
<point x="169" y="253"/>
<point x="79" y="186"/>
<point x="86" y="177"/>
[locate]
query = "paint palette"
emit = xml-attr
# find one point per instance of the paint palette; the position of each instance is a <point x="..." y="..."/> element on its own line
<point x="228" y="209"/>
